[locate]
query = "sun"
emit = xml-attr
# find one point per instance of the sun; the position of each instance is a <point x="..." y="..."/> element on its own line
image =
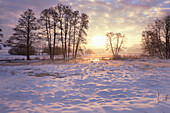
<point x="99" y="41"/>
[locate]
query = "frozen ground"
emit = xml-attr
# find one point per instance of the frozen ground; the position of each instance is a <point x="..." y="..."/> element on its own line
<point x="111" y="86"/>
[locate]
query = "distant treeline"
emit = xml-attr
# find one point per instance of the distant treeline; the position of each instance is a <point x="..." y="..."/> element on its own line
<point x="59" y="27"/>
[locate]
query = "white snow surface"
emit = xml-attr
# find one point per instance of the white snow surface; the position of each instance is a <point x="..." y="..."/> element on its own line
<point x="111" y="86"/>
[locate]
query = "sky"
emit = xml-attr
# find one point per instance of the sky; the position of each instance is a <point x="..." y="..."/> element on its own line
<point x="129" y="17"/>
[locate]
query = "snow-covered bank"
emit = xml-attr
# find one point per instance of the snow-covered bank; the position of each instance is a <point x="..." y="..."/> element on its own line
<point x="86" y="87"/>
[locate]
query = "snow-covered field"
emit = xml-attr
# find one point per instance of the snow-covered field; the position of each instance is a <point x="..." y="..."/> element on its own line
<point x="83" y="86"/>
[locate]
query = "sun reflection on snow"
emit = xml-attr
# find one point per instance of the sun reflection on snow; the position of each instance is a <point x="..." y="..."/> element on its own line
<point x="94" y="59"/>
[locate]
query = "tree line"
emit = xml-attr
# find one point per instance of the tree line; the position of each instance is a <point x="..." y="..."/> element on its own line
<point x="156" y="38"/>
<point x="59" y="27"/>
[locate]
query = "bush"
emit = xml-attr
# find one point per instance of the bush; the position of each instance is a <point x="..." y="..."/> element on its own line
<point x="89" y="51"/>
<point x="58" y="51"/>
<point x="21" y="50"/>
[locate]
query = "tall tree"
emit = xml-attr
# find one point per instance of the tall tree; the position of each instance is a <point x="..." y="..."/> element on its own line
<point x="25" y="32"/>
<point x="61" y="15"/>
<point x="82" y="31"/>
<point x="67" y="12"/>
<point x="55" y="18"/>
<point x="70" y="32"/>
<point x="75" y="27"/>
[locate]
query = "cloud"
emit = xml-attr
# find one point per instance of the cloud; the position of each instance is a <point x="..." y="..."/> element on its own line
<point x="167" y="2"/>
<point x="127" y="16"/>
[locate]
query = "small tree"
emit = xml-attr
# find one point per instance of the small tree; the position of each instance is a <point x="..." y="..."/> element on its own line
<point x="115" y="42"/>
<point x="25" y="32"/>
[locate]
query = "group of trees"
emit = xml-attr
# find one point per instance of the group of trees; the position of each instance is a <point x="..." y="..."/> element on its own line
<point x="115" y="42"/>
<point x="69" y="26"/>
<point x="156" y="38"/>
<point x="64" y="31"/>
<point x="59" y="26"/>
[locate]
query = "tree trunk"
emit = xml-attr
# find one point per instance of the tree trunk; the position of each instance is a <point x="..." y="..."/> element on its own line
<point x="69" y="40"/>
<point x="159" y="42"/>
<point x="54" y="40"/>
<point x="74" y="39"/>
<point x="61" y="34"/>
<point x="167" y="45"/>
<point x="28" y="47"/>
<point x="28" y="41"/>
<point x="66" y="31"/>
<point x="111" y="45"/>
<point x="47" y="33"/>
<point x="117" y="45"/>
<point x="78" y="42"/>
<point x="50" y="48"/>
<point x="120" y="44"/>
<point x="77" y="46"/>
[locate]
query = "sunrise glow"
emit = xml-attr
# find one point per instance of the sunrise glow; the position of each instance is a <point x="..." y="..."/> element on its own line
<point x="98" y="41"/>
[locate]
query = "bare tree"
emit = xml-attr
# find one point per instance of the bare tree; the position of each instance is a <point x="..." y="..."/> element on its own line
<point x="54" y="13"/>
<point x="75" y="27"/>
<point x="61" y="15"/>
<point x="70" y="32"/>
<point x="115" y="42"/>
<point x="45" y="21"/>
<point x="82" y="31"/>
<point x="67" y="13"/>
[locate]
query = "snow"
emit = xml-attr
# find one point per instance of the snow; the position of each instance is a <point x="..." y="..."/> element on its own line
<point x="86" y="86"/>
